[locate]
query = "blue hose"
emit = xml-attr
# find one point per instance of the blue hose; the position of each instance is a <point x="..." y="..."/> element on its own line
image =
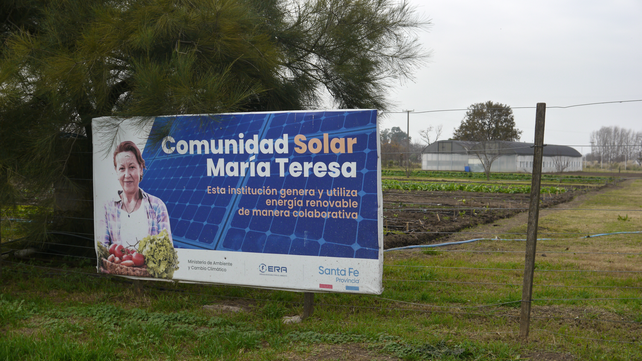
<point x="608" y="234"/>
<point x="496" y="239"/>
<point x="452" y="243"/>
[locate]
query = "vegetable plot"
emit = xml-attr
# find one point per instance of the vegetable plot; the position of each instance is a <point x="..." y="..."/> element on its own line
<point x="388" y="184"/>
<point x="546" y="177"/>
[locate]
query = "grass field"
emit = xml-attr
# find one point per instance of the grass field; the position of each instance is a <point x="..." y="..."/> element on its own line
<point x="448" y="303"/>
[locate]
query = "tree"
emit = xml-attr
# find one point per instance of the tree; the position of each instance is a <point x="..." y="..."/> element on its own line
<point x="426" y="136"/>
<point x="561" y="163"/>
<point x="67" y="62"/>
<point x="486" y="129"/>
<point x="394" y="143"/>
<point x="351" y="48"/>
<point x="488" y="122"/>
<point x="394" y="135"/>
<point x="615" y="144"/>
<point x="487" y="152"/>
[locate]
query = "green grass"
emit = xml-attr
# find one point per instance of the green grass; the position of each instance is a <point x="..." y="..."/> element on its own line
<point x="451" y="303"/>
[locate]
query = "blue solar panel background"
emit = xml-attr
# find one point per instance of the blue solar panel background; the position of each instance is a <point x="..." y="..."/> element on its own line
<point x="211" y="221"/>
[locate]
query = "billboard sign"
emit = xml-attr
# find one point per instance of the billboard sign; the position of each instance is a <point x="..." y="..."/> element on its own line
<point x="284" y="200"/>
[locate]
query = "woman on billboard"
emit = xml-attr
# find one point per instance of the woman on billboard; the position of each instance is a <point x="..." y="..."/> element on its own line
<point x="133" y="216"/>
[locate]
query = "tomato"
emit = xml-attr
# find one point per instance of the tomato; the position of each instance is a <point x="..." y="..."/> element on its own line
<point x="129" y="263"/>
<point x="117" y="260"/>
<point x="111" y="258"/>
<point x="138" y="259"/>
<point x="112" y="249"/>
<point x="118" y="252"/>
<point x="127" y="257"/>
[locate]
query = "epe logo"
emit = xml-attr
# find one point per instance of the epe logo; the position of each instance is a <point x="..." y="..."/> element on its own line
<point x="263" y="268"/>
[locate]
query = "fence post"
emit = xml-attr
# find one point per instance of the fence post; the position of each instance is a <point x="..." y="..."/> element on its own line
<point x="308" y="304"/>
<point x="408" y="142"/>
<point x="533" y="217"/>
<point x="138" y="287"/>
<point x="1" y="255"/>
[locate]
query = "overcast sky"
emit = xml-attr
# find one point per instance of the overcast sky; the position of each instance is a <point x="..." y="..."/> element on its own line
<point x="520" y="53"/>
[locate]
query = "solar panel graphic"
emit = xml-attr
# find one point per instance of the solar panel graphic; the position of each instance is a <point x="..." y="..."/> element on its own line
<point x="290" y="183"/>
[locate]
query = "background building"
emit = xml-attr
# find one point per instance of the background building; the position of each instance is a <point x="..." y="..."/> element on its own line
<point x="512" y="157"/>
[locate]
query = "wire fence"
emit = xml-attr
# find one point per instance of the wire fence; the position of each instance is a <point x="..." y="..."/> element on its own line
<point x="447" y="253"/>
<point x="583" y="280"/>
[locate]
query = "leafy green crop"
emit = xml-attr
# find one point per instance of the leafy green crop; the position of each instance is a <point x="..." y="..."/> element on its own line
<point x="101" y="251"/>
<point x="498" y="176"/>
<point x="160" y="256"/>
<point x="465" y="187"/>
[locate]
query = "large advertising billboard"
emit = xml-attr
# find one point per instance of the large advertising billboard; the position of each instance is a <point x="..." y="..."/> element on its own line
<point x="284" y="200"/>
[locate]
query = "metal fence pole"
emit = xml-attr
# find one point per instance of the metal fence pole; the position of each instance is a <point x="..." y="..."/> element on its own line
<point x="533" y="215"/>
<point x="408" y="141"/>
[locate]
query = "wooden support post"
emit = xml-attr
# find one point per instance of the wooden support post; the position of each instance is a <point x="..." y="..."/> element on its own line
<point x="308" y="304"/>
<point x="533" y="215"/>
<point x="138" y="287"/>
<point x="1" y="255"/>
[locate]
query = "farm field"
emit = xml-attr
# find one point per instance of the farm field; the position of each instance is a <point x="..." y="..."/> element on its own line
<point x="455" y="302"/>
<point x="419" y="217"/>
<point x="413" y="216"/>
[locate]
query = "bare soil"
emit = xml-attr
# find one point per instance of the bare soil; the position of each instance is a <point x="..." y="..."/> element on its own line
<point x="421" y="217"/>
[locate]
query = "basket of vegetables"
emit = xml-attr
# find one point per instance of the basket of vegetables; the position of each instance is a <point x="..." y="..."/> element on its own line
<point x="155" y="256"/>
<point x="123" y="261"/>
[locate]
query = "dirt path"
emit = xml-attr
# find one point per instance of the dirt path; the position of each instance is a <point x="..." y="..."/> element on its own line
<point x="502" y="226"/>
<point x="423" y="217"/>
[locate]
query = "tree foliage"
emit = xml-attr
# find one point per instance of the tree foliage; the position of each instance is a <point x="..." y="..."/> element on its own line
<point x="66" y="62"/>
<point x="486" y="129"/>
<point x="394" y="135"/>
<point x="394" y="146"/>
<point x="488" y="122"/>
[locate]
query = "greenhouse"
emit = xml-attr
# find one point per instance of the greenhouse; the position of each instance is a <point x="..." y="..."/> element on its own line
<point x="456" y="155"/>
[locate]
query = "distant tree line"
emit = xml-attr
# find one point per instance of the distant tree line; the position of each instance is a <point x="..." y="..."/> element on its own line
<point x="615" y="144"/>
<point x="394" y="145"/>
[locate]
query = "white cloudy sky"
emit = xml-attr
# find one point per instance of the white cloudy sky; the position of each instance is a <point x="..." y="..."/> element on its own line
<point x="520" y="53"/>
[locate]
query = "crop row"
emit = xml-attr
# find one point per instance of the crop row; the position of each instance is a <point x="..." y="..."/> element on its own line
<point x="466" y="187"/>
<point x="500" y="176"/>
